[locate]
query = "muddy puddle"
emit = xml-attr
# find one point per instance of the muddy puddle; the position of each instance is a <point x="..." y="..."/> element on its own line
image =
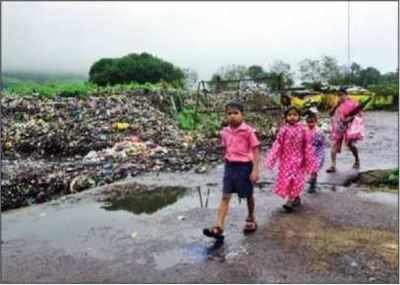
<point x="131" y="232"/>
<point x="156" y="227"/>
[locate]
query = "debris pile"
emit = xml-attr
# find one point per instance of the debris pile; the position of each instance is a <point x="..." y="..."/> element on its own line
<point x="63" y="145"/>
<point x="65" y="127"/>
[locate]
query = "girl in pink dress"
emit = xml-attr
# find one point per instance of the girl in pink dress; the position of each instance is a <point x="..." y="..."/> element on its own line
<point x="294" y="150"/>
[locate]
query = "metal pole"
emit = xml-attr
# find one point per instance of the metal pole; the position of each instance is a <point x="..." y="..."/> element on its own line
<point x="348" y="42"/>
<point x="208" y="195"/>
<point x="201" y="199"/>
<point x="196" y="106"/>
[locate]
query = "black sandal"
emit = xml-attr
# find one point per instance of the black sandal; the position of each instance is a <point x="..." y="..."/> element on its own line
<point x="250" y="226"/>
<point x="296" y="202"/>
<point x="331" y="169"/>
<point x="214" y="232"/>
<point x="287" y="208"/>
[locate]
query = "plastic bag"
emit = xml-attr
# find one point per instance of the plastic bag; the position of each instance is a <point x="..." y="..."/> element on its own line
<point x="356" y="129"/>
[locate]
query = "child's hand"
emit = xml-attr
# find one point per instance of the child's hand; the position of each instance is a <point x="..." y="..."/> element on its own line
<point x="254" y="176"/>
<point x="349" y="119"/>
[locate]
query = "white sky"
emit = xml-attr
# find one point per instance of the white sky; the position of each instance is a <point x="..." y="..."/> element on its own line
<point x="70" y="36"/>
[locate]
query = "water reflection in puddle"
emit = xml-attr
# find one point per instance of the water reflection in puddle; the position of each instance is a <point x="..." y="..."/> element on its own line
<point x="146" y="202"/>
<point x="192" y="254"/>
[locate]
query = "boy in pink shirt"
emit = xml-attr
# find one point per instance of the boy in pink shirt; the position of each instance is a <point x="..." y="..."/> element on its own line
<point x="241" y="148"/>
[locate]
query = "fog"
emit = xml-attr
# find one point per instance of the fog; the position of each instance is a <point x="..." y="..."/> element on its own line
<point x="71" y="36"/>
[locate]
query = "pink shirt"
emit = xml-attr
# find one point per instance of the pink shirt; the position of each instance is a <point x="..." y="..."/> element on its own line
<point x="239" y="143"/>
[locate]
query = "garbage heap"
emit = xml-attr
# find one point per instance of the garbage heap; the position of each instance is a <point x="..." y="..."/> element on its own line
<point x="57" y="146"/>
<point x="260" y="110"/>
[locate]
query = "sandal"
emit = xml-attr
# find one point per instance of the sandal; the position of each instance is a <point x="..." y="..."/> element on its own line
<point x="288" y="207"/>
<point x="214" y="232"/>
<point x="296" y="202"/>
<point x="356" y="165"/>
<point x="250" y="226"/>
<point x="331" y="169"/>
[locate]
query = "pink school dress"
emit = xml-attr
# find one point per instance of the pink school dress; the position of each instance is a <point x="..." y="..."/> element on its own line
<point x="295" y="152"/>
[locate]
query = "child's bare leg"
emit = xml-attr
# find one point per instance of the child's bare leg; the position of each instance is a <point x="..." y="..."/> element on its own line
<point x="333" y="156"/>
<point x="250" y="207"/>
<point x="334" y="149"/>
<point x="223" y="210"/>
<point x="313" y="182"/>
<point x="354" y="151"/>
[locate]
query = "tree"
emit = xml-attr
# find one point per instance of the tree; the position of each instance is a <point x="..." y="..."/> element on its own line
<point x="101" y="71"/>
<point x="281" y="68"/>
<point x="190" y="77"/>
<point x="232" y="72"/>
<point x="134" y="67"/>
<point x="341" y="76"/>
<point x="390" y="76"/>
<point x="355" y="70"/>
<point x="215" y="82"/>
<point x="255" y="71"/>
<point x="330" y="71"/>
<point x="310" y="70"/>
<point x="369" y="76"/>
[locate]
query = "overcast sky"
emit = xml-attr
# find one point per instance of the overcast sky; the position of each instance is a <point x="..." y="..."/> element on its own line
<point x="70" y="36"/>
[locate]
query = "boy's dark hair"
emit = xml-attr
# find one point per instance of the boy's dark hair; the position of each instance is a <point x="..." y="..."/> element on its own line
<point x="234" y="105"/>
<point x="290" y="108"/>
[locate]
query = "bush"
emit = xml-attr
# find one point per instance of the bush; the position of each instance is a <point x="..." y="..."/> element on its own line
<point x="387" y="94"/>
<point x="208" y="124"/>
<point x="140" y="68"/>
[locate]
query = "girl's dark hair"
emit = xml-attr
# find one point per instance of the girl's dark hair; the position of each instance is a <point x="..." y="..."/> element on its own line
<point x="311" y="115"/>
<point x="234" y="105"/>
<point x="343" y="90"/>
<point x="290" y="108"/>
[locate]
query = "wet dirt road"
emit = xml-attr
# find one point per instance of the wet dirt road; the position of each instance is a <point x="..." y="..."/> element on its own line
<point x="121" y="234"/>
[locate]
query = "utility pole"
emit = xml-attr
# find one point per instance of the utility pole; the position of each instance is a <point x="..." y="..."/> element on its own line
<point x="348" y="42"/>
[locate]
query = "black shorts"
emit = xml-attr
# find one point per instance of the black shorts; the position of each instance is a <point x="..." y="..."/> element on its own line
<point x="237" y="178"/>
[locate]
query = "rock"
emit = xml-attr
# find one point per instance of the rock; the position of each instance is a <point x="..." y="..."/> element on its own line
<point x="80" y="183"/>
<point x="201" y="169"/>
<point x="354" y="264"/>
<point x="41" y="197"/>
<point x="379" y="177"/>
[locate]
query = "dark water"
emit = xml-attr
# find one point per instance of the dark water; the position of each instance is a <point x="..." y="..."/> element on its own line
<point x="146" y="202"/>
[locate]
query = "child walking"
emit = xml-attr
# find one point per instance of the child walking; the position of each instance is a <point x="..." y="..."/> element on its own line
<point x="318" y="141"/>
<point x="241" y="155"/>
<point x="294" y="151"/>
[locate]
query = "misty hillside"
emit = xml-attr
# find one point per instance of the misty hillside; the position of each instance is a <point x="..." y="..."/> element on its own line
<point x="12" y="77"/>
